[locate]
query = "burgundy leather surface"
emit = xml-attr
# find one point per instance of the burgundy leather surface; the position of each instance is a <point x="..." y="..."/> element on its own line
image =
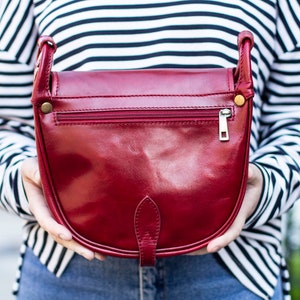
<point x="131" y="161"/>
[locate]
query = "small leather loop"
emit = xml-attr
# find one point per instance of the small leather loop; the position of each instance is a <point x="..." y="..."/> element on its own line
<point x="243" y="73"/>
<point x="147" y="229"/>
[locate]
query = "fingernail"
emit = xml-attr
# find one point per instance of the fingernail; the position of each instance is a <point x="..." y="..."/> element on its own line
<point x="215" y="249"/>
<point x="87" y="254"/>
<point x="63" y="236"/>
<point x="99" y="256"/>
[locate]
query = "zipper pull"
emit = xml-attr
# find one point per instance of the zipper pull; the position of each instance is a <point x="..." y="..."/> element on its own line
<point x="223" y="127"/>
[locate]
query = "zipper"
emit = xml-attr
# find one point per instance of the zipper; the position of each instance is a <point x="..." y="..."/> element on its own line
<point x="224" y="114"/>
<point x="148" y="115"/>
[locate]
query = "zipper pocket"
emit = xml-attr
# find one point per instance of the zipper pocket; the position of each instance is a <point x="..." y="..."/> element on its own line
<point x="148" y="115"/>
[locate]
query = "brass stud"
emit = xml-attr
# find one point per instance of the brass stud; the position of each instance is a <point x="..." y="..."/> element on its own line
<point x="239" y="100"/>
<point x="46" y="107"/>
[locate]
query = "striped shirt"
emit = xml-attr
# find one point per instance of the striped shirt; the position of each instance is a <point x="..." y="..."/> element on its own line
<point x="118" y="34"/>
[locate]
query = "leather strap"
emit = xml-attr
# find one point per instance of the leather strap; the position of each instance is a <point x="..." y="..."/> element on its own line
<point x="243" y="73"/>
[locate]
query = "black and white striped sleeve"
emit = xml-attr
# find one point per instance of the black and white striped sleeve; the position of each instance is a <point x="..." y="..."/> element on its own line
<point x="18" y="36"/>
<point x="279" y="153"/>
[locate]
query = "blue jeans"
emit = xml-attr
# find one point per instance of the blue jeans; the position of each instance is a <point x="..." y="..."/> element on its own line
<point x="175" y="278"/>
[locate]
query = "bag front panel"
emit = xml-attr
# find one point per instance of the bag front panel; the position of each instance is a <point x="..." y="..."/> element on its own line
<point x="172" y="155"/>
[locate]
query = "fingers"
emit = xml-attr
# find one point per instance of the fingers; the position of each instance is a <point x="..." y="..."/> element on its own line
<point x="252" y="196"/>
<point x="40" y="210"/>
<point x="201" y="251"/>
<point x="230" y="235"/>
<point x="37" y="203"/>
<point x="100" y="256"/>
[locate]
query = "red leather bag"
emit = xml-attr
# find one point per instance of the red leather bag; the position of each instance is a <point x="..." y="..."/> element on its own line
<point x="144" y="163"/>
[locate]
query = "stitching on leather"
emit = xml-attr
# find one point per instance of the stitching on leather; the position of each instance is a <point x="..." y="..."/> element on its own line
<point x="227" y="77"/>
<point x="143" y="123"/>
<point x="58" y="84"/>
<point x="48" y="71"/>
<point x="242" y="65"/>
<point x="145" y="95"/>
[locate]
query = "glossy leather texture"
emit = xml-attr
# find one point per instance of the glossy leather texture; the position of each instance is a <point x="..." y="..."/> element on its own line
<point x="144" y="163"/>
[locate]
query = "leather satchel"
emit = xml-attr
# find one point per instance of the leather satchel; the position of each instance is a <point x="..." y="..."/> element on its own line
<point x="144" y="163"/>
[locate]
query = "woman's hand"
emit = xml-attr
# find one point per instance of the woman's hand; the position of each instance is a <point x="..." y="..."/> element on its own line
<point x="250" y="202"/>
<point x="251" y="199"/>
<point x="39" y="208"/>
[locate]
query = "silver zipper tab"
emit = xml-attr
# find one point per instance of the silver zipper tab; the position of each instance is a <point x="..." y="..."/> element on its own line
<point x="223" y="127"/>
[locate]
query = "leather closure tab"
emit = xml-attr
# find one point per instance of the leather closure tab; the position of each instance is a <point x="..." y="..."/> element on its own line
<point x="147" y="229"/>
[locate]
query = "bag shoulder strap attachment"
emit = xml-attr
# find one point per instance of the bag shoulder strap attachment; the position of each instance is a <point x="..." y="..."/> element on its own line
<point x="243" y="72"/>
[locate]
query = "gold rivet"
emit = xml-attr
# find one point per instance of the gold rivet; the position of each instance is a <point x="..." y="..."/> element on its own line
<point x="46" y="107"/>
<point x="239" y="100"/>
